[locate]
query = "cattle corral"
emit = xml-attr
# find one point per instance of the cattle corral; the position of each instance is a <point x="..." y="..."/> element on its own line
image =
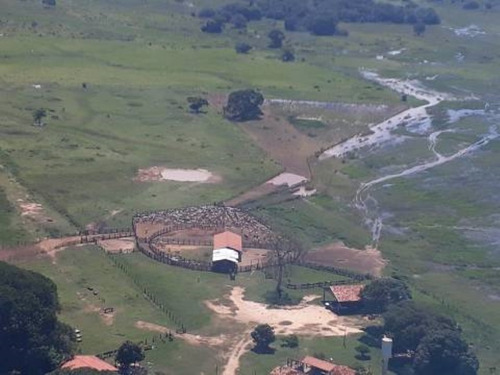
<point x="174" y="236"/>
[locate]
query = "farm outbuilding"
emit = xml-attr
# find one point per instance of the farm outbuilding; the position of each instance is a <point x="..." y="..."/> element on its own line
<point x="343" y="298"/>
<point x="226" y="255"/>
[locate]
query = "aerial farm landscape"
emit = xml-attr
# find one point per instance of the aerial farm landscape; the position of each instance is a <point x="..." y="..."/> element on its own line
<point x="249" y="187"/>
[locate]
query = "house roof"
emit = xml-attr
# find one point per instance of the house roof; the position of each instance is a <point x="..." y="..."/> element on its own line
<point x="88" y="361"/>
<point x="347" y="293"/>
<point x="318" y="363"/>
<point x="228" y="239"/>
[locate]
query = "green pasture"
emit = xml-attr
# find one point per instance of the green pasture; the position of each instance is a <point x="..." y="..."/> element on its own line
<point x="339" y="349"/>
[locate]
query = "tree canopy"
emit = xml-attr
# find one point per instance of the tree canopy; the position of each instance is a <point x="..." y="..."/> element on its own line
<point x="242" y="47"/>
<point x="263" y="336"/>
<point x="276" y="38"/>
<point x="380" y="293"/>
<point x="435" y="339"/>
<point x="32" y="340"/>
<point x="129" y="353"/>
<point x="243" y="105"/>
<point x="196" y="103"/>
<point x="320" y="17"/>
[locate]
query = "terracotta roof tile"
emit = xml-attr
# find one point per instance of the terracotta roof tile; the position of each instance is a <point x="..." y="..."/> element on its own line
<point x="347" y="293"/>
<point x="88" y="361"/>
<point x="228" y="239"/>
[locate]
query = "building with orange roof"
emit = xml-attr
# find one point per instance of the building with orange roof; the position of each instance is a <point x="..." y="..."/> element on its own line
<point x="226" y="255"/>
<point x="88" y="361"/>
<point x="345" y="298"/>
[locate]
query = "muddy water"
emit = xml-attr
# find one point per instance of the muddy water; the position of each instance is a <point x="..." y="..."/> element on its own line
<point x="382" y="134"/>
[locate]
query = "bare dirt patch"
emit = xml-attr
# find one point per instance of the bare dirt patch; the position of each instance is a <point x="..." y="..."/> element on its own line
<point x="121" y="245"/>
<point x="283" y="142"/>
<point x="157" y="173"/>
<point x="338" y="255"/>
<point x="307" y="319"/>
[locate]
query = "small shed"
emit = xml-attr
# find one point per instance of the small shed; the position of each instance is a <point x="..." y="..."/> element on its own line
<point x="343" y="298"/>
<point x="226" y="255"/>
<point x="316" y="366"/>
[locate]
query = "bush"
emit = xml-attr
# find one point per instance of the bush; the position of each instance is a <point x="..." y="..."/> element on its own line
<point x="206" y="13"/>
<point x="471" y="5"/>
<point x="242" y="48"/>
<point x="291" y="341"/>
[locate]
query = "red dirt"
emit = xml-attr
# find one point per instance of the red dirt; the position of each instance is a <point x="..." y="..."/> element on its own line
<point x="338" y="255"/>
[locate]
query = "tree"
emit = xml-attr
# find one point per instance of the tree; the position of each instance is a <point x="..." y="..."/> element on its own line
<point x="363" y="351"/>
<point x="129" y="353"/>
<point x="32" y="340"/>
<point x="242" y="47"/>
<point x="471" y="5"/>
<point x="196" y="103"/>
<point x="206" y="13"/>
<point x="380" y="293"/>
<point x="263" y="336"/>
<point x="276" y="38"/>
<point x="444" y="352"/>
<point x="287" y="55"/>
<point x="51" y="3"/>
<point x="408" y="324"/>
<point x="419" y="28"/>
<point x="290" y="341"/>
<point x="239" y="21"/>
<point x="243" y="105"/>
<point x="323" y="25"/>
<point x="38" y="116"/>
<point x="212" y="27"/>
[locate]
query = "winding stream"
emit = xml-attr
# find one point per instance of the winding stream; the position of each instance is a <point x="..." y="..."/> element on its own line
<point x="382" y="133"/>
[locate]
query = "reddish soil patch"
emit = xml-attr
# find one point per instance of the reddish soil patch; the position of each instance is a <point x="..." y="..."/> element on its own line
<point x="337" y="255"/>
<point x="121" y="245"/>
<point x="282" y="142"/>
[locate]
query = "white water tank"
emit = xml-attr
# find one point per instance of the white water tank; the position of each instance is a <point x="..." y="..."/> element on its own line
<point x="386" y="347"/>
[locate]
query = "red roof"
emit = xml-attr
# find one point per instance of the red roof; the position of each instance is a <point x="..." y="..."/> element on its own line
<point x="347" y="293"/>
<point x="88" y="361"/>
<point x="328" y="367"/>
<point x="228" y="239"/>
<point x="318" y="363"/>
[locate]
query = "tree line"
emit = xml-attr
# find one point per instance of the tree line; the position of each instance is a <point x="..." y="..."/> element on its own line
<point x="319" y="17"/>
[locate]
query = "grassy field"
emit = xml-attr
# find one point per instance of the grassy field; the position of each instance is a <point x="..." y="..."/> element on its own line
<point x="140" y="60"/>
<point x="182" y="292"/>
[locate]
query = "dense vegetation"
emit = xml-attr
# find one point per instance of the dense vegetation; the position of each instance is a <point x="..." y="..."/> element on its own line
<point x="32" y="340"/>
<point x="435" y="340"/>
<point x="318" y="17"/>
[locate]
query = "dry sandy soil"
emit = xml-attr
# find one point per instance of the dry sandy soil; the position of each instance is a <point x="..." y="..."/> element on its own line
<point x="282" y="142"/>
<point x="306" y="319"/>
<point x="338" y="255"/>
<point x="120" y="245"/>
<point x="158" y="173"/>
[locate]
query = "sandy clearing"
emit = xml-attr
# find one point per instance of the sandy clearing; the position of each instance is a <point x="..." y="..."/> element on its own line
<point x="338" y="255"/>
<point x="158" y="173"/>
<point x="121" y="245"/>
<point x="306" y="318"/>
<point x="289" y="179"/>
